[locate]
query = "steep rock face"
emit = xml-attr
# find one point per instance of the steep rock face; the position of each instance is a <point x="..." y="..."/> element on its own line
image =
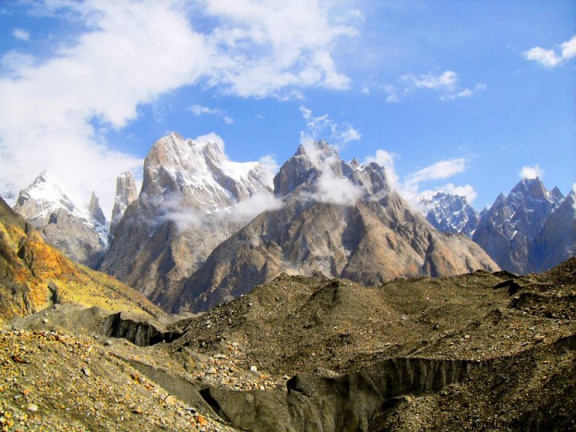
<point x="556" y="241"/>
<point x="78" y="230"/>
<point x="338" y="220"/>
<point x="507" y="229"/>
<point x="450" y="213"/>
<point x="126" y="193"/>
<point x="184" y="210"/>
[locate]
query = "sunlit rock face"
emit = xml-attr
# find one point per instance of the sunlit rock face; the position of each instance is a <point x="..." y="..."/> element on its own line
<point x="126" y="193"/>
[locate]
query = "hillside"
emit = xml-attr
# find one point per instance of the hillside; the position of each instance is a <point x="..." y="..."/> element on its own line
<point x="34" y="275"/>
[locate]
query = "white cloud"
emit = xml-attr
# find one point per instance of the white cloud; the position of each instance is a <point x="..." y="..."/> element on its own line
<point x="13" y="63"/>
<point x="439" y="170"/>
<point x="199" y="110"/>
<point x="250" y="208"/>
<point x="243" y="212"/>
<point x="276" y="45"/>
<point x="449" y="188"/>
<point x="445" y="81"/>
<point x="409" y="186"/>
<point x="22" y="35"/>
<point x="212" y="137"/>
<point x="531" y="172"/>
<point x="465" y="93"/>
<point x="551" y="58"/>
<point x="337" y="190"/>
<point x="55" y="113"/>
<point x="325" y="128"/>
<point x="445" y="84"/>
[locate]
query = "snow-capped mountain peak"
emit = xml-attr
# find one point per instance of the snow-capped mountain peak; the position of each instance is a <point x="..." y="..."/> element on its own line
<point x="450" y="213"/>
<point x="45" y="196"/>
<point x="78" y="229"/>
<point x="201" y="172"/>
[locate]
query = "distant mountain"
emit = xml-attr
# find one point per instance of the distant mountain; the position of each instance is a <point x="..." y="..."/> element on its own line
<point x="338" y="220"/>
<point x="77" y="229"/>
<point x="34" y="275"/>
<point x="450" y="213"/>
<point x="507" y="230"/>
<point x="192" y="199"/>
<point x="556" y="241"/>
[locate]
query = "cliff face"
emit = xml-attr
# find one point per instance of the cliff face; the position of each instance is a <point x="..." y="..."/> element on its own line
<point x="556" y="241"/>
<point x="126" y="193"/>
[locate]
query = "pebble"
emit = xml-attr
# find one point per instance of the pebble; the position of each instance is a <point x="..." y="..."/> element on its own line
<point x="32" y="407"/>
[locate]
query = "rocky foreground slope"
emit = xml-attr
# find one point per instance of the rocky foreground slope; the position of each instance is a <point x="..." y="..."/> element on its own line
<point x="480" y="351"/>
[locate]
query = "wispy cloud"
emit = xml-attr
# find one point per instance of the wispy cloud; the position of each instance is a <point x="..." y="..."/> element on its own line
<point x="531" y="172"/>
<point x="324" y="127"/>
<point x="552" y="58"/>
<point x="22" y="35"/>
<point x="439" y="170"/>
<point x="445" y="85"/>
<point x="199" y="110"/>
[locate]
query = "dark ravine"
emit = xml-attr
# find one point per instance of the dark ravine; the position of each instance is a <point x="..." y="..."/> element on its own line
<point x="336" y="403"/>
<point x="141" y="333"/>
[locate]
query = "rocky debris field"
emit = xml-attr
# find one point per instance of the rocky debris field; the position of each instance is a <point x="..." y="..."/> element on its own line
<point x="481" y="351"/>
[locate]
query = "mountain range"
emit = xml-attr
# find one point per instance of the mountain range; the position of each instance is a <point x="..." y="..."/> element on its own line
<point x="530" y="229"/>
<point x="313" y="320"/>
<point x="204" y="230"/>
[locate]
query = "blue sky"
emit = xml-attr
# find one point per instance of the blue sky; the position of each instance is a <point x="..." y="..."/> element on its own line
<point x="454" y="95"/>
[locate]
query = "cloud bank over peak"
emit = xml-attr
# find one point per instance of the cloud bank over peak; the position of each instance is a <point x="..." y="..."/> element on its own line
<point x="57" y="110"/>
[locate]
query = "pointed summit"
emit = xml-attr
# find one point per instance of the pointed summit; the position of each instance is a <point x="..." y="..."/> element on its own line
<point x="450" y="213"/>
<point x="508" y="228"/>
<point x="94" y="207"/>
<point x="316" y="168"/>
<point x="200" y="170"/>
<point x="126" y="193"/>
<point x="532" y="188"/>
